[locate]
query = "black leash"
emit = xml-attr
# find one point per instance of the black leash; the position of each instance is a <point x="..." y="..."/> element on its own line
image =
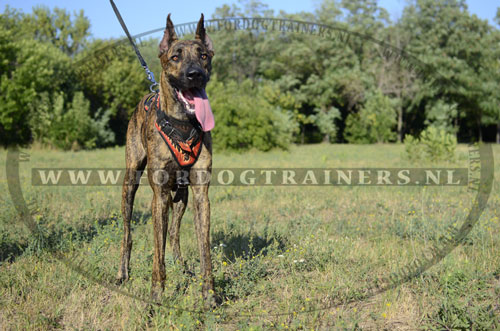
<point x="151" y="76"/>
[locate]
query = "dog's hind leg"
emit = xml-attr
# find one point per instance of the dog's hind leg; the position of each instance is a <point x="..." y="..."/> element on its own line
<point x="178" y="210"/>
<point x="136" y="162"/>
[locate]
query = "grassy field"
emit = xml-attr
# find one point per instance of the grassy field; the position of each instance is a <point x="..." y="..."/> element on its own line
<point x="283" y="257"/>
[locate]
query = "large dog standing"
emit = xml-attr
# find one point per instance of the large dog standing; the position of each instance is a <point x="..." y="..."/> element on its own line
<point x="169" y="132"/>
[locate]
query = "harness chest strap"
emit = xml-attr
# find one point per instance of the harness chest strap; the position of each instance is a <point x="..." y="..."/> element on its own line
<point x="183" y="138"/>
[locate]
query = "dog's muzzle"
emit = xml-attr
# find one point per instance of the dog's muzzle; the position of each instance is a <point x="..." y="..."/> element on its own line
<point x="196" y="77"/>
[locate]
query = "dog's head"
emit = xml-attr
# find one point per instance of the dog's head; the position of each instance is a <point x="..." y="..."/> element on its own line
<point x="186" y="64"/>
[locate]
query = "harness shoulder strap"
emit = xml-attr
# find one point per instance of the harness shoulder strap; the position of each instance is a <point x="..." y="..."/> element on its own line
<point x="150" y="98"/>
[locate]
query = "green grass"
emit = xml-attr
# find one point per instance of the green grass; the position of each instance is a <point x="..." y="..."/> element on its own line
<point x="301" y="251"/>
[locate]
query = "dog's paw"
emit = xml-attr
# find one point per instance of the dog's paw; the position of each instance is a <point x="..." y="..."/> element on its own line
<point x="120" y="279"/>
<point x="212" y="301"/>
<point x="156" y="294"/>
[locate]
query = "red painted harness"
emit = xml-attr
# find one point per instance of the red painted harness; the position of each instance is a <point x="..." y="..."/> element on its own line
<point x="183" y="138"/>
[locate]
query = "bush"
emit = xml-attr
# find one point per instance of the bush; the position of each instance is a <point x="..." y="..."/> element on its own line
<point x="244" y="119"/>
<point x="434" y="144"/>
<point x="74" y="128"/>
<point x="374" y="123"/>
<point x="34" y="68"/>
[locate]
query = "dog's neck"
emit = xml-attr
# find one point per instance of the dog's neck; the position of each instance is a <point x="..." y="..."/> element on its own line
<point x="168" y="101"/>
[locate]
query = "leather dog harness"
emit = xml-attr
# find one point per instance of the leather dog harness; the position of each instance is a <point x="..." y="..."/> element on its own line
<point x="183" y="138"/>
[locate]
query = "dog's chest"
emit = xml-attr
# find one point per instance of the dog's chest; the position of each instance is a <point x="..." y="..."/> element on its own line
<point x="183" y="138"/>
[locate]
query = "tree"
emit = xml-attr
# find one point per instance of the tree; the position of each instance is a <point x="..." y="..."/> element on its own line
<point x="438" y="66"/>
<point x="491" y="83"/>
<point x="37" y="82"/>
<point x="442" y="115"/>
<point x="375" y="121"/>
<point x="112" y="79"/>
<point x="57" y="27"/>
<point x="39" y="67"/>
<point x="453" y="45"/>
<point x="392" y="77"/>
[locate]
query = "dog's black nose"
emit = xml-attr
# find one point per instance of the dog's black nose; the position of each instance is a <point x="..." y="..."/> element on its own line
<point x="195" y="74"/>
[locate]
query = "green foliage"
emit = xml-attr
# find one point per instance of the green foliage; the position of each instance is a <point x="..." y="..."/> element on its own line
<point x="455" y="47"/>
<point x="112" y="79"/>
<point x="442" y="115"/>
<point x="39" y="78"/>
<point x="318" y="88"/>
<point x="245" y="120"/>
<point x="456" y="311"/>
<point x="413" y="149"/>
<point x="435" y="144"/>
<point x="57" y="28"/>
<point x="69" y="127"/>
<point x="325" y="121"/>
<point x="122" y="86"/>
<point x="374" y="123"/>
<point x="40" y="68"/>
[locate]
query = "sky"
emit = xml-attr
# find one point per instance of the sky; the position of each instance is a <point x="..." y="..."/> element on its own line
<point x="146" y="15"/>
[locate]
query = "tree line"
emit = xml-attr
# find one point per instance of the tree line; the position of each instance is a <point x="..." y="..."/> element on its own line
<point x="267" y="89"/>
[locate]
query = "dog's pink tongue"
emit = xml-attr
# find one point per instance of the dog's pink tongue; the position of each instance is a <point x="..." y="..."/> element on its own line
<point x="203" y="110"/>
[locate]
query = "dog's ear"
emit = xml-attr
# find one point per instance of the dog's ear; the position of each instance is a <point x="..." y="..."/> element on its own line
<point x="169" y="37"/>
<point x="202" y="35"/>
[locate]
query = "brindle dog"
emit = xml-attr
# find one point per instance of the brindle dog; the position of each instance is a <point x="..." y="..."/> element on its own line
<point x="185" y="65"/>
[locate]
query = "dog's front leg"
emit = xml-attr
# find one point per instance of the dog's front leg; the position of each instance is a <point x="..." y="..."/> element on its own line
<point x="202" y="227"/>
<point x="178" y="210"/>
<point x="159" y="207"/>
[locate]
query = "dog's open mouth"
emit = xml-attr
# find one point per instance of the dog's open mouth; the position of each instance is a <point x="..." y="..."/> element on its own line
<point x="195" y="101"/>
<point x="186" y="97"/>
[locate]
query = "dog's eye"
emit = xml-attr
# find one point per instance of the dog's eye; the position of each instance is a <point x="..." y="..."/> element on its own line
<point x="175" y="58"/>
<point x="204" y="56"/>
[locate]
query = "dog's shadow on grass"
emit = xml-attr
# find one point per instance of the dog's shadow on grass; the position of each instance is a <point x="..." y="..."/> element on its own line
<point x="249" y="244"/>
<point x="141" y="216"/>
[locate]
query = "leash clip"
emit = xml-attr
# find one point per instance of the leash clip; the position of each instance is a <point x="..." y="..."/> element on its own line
<point x="151" y="78"/>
